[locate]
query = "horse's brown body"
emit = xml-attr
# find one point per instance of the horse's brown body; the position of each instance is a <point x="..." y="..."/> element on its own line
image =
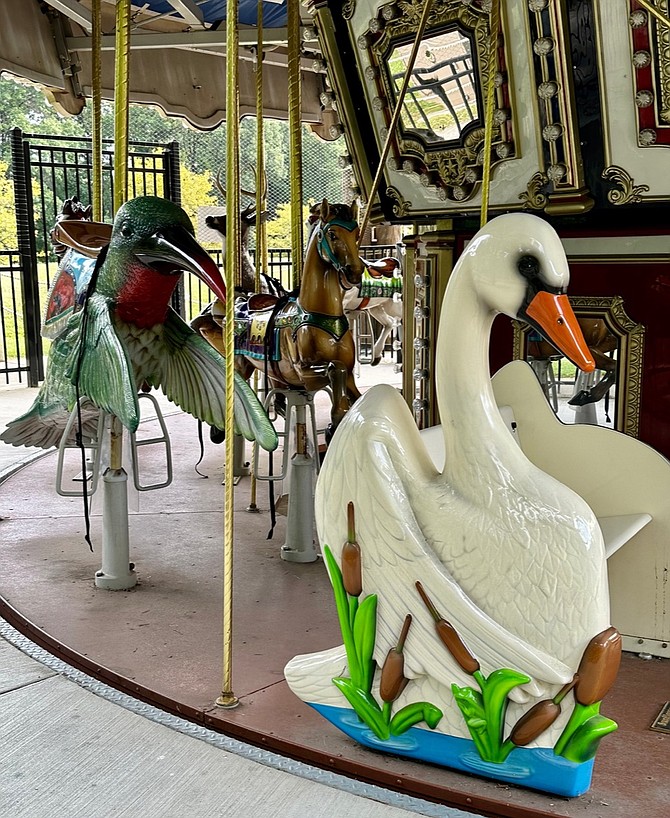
<point x="600" y="341"/>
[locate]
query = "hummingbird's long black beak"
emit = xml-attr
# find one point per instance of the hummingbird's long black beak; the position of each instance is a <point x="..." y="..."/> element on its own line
<point x="175" y="250"/>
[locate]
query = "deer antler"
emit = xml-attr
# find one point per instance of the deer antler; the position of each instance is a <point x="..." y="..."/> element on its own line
<point x="251" y="193"/>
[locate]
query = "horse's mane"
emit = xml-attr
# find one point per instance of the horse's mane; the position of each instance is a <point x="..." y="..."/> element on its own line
<point x="342" y="212"/>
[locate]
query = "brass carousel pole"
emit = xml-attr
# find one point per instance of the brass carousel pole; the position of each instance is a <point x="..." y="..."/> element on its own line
<point x="116" y="572"/>
<point x="295" y="136"/>
<point x="121" y="101"/>
<point x="96" y="83"/>
<point x="227" y="697"/>
<point x="261" y="243"/>
<point x="494" y="27"/>
<point x="395" y="118"/>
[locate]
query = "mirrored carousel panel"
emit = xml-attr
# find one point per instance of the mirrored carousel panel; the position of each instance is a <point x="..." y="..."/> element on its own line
<point x="436" y="155"/>
<point x="610" y="396"/>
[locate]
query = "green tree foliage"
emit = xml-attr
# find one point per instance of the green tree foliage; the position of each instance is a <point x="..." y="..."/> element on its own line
<point x="8" y="239"/>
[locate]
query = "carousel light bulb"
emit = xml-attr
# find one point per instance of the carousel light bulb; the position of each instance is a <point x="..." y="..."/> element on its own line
<point x="309" y="33"/>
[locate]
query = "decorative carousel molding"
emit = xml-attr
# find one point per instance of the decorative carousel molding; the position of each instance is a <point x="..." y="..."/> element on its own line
<point x="535" y="196"/>
<point x="455" y="170"/>
<point x="630" y="193"/>
<point x="401" y="207"/>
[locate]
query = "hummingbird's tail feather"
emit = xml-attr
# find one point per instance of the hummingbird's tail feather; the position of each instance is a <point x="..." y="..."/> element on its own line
<point x="43" y="427"/>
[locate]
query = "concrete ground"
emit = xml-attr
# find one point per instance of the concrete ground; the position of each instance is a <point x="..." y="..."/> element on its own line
<point x="70" y="746"/>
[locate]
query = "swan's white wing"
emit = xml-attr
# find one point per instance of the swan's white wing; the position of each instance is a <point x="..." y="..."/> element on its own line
<point x="376" y="460"/>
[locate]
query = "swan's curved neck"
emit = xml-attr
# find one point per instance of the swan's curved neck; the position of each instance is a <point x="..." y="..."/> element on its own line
<point x="475" y="436"/>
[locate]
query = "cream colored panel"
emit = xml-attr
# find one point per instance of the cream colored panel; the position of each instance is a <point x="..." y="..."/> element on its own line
<point x="638" y="173"/>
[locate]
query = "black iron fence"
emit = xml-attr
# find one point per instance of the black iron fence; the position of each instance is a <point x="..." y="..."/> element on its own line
<point x="47" y="170"/>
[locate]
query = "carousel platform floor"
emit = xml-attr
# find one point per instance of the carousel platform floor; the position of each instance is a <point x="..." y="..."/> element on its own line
<point x="161" y="642"/>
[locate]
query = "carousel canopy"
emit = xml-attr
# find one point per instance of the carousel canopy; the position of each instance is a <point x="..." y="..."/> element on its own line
<point x="178" y="56"/>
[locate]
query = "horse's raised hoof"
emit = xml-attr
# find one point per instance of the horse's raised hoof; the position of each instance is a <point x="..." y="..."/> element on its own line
<point x="376" y="361"/>
<point x="217" y="435"/>
<point x="582" y="397"/>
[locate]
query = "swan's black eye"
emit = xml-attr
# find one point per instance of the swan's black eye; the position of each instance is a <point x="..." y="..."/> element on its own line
<point x="528" y="266"/>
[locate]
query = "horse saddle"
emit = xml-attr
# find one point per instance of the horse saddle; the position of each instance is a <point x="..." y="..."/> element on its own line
<point x="384" y="267"/>
<point x="87" y="238"/>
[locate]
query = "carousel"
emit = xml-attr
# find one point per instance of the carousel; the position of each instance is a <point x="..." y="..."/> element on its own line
<point x="470" y="604"/>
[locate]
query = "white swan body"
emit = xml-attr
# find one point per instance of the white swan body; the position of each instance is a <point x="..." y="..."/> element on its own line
<point x="512" y="558"/>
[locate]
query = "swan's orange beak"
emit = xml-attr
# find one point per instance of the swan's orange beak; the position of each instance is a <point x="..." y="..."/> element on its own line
<point x="555" y="317"/>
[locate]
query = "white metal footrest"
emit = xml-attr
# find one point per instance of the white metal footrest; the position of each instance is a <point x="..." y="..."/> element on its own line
<point x="164" y="439"/>
<point x="293" y="397"/>
<point x="94" y="446"/>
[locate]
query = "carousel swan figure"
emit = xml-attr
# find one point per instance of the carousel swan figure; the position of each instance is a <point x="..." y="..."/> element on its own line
<point x="491" y="551"/>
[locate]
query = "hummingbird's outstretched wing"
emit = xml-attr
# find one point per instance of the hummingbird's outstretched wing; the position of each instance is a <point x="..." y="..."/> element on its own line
<point x="192" y="374"/>
<point x="99" y="362"/>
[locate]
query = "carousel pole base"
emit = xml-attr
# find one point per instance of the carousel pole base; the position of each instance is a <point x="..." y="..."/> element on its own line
<point x="299" y="545"/>
<point x="117" y="572"/>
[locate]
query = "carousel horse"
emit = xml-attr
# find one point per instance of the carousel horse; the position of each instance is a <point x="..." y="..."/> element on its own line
<point x="601" y="341"/>
<point x="376" y="297"/>
<point x="303" y="341"/>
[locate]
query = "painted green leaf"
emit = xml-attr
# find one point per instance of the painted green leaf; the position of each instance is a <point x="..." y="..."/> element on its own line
<point x="583" y="743"/>
<point x="365" y="707"/>
<point x="342" y="607"/>
<point x="365" y="631"/>
<point x="413" y="714"/>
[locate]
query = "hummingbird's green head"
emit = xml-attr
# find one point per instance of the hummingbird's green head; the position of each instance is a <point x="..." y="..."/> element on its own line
<point x="150" y="232"/>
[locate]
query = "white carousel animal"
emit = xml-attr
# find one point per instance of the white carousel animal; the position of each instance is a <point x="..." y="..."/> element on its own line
<point x="511" y="557"/>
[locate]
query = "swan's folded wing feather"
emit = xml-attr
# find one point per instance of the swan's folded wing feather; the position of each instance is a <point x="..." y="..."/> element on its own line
<point x="376" y="452"/>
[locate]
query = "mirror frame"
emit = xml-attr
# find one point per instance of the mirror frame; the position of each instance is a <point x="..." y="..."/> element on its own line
<point x="630" y="353"/>
<point x="455" y="166"/>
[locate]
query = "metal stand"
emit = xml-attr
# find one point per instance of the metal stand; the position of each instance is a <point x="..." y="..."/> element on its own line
<point x="116" y="572"/>
<point x="299" y="545"/>
<point x="240" y="465"/>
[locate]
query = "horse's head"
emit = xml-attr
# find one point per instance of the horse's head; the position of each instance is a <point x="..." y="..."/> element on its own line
<point x="336" y="236"/>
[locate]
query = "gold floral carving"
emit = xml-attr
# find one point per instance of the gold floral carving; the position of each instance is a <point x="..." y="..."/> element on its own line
<point x="348" y="9"/>
<point x="630" y="193"/>
<point x="535" y="196"/>
<point x="401" y="207"/>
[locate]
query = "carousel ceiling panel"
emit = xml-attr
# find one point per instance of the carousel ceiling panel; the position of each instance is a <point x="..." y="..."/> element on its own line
<point x="176" y="62"/>
<point x="436" y="157"/>
<point x="634" y="48"/>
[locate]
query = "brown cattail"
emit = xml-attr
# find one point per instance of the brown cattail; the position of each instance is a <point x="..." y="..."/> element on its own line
<point x="533" y="723"/>
<point x="540" y="716"/>
<point x="599" y="667"/>
<point x="393" y="681"/>
<point x="448" y="636"/>
<point x="351" y="558"/>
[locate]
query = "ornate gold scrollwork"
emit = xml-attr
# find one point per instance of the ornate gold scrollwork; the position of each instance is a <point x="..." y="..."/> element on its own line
<point x="535" y="196"/>
<point x="401" y="207"/>
<point x="629" y="193"/>
<point x="348" y="9"/>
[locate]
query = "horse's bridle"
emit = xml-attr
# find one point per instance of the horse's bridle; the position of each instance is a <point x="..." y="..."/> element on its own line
<point x="323" y="246"/>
